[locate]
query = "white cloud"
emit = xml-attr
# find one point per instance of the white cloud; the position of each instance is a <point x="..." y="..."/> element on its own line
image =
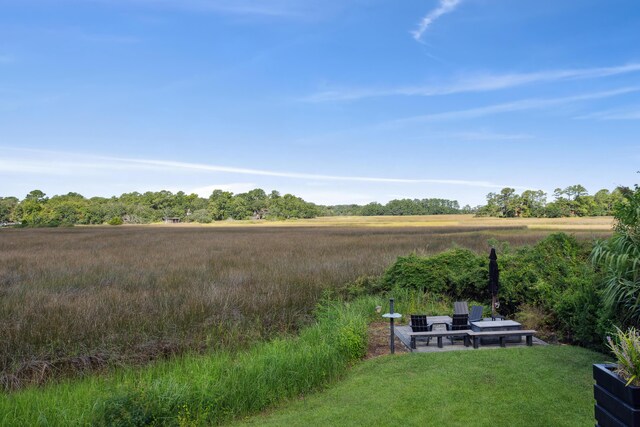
<point x="77" y="165"/>
<point x="477" y="82"/>
<point x="629" y="114"/>
<point x="6" y="59"/>
<point x="267" y="8"/>
<point x="445" y="6"/>
<point x="521" y="105"/>
<point x="484" y="136"/>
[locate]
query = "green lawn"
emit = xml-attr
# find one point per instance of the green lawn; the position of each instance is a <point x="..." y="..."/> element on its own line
<point x="539" y="386"/>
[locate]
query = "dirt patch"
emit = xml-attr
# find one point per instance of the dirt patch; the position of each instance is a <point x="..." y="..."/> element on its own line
<point x="379" y="341"/>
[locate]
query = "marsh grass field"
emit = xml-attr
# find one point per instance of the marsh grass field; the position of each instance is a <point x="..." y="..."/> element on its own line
<point x="78" y="300"/>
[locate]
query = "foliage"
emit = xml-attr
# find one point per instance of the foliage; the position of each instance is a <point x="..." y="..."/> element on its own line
<point x="552" y="278"/>
<point x="619" y="257"/>
<point x="458" y="272"/>
<point x="7" y="206"/>
<point x="626" y="347"/>
<point x="431" y="206"/>
<point x="573" y="200"/>
<point x="37" y="210"/>
<point x="116" y="220"/>
<point x="364" y="285"/>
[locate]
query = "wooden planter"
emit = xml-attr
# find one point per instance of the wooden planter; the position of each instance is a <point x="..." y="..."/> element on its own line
<point x="616" y="404"/>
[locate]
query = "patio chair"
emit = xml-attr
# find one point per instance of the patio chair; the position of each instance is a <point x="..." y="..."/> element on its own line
<point x="460" y="320"/>
<point x="476" y="313"/>
<point x="460" y="307"/>
<point x="418" y="323"/>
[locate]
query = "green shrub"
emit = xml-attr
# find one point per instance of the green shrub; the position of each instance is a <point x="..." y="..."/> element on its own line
<point x="459" y="273"/>
<point x="553" y="278"/>
<point x="364" y="285"/>
<point x="116" y="220"/>
<point x="619" y="259"/>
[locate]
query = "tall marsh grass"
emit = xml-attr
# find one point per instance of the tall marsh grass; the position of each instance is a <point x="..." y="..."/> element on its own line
<point x="204" y="390"/>
<point x="77" y="300"/>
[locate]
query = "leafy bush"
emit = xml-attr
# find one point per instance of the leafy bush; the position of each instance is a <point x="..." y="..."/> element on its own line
<point x="552" y="280"/>
<point x="458" y="272"/>
<point x="364" y="285"/>
<point x="619" y="258"/>
<point x="116" y="220"/>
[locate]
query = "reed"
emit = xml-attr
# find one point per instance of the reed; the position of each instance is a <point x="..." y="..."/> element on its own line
<point x="79" y="300"/>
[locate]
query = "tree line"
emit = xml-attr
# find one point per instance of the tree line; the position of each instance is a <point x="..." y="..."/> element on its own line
<point x="573" y="200"/>
<point x="38" y="210"/>
<point x="399" y="207"/>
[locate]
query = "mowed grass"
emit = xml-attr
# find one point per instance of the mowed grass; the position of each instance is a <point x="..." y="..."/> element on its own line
<point x="539" y="386"/>
<point x="80" y="299"/>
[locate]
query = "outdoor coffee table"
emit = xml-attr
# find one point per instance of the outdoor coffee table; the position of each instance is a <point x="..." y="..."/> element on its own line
<point x="496" y="325"/>
<point x="435" y="320"/>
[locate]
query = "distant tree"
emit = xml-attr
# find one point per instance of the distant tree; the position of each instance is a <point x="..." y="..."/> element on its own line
<point x="467" y="209"/>
<point x="492" y="208"/>
<point x="7" y="207"/>
<point x="290" y="206"/>
<point x="220" y="204"/>
<point x="30" y="210"/>
<point x="372" y="209"/>
<point x="532" y="203"/>
<point x="202" y="216"/>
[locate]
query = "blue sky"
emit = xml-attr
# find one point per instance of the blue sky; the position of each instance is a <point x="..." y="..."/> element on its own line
<point x="337" y="101"/>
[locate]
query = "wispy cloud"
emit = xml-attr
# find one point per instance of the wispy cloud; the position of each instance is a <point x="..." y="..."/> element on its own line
<point x="74" y="164"/>
<point x="273" y="8"/>
<point x="627" y="114"/>
<point x="521" y="105"/>
<point x="477" y="82"/>
<point x="6" y="59"/>
<point x="486" y="136"/>
<point x="445" y="6"/>
<point x="298" y="175"/>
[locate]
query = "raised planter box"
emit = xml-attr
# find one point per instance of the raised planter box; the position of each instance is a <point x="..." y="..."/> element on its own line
<point x="616" y="404"/>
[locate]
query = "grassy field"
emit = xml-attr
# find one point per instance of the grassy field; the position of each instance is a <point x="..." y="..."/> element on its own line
<point x="75" y="300"/>
<point x="602" y="223"/>
<point x="539" y="386"/>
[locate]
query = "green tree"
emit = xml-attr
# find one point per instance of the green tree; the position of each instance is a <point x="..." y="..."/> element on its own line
<point x="532" y="203"/>
<point x="30" y="210"/>
<point x="220" y="204"/>
<point x="509" y="202"/>
<point x="7" y="207"/>
<point x="372" y="209"/>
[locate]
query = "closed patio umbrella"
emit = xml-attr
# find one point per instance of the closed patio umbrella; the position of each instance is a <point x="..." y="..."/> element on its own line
<point x="493" y="281"/>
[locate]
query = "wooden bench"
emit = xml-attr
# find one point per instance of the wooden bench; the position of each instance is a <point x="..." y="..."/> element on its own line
<point x="439" y="335"/>
<point x="502" y="335"/>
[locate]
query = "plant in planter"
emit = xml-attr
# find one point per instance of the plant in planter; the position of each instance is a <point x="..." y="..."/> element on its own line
<point x="617" y="388"/>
